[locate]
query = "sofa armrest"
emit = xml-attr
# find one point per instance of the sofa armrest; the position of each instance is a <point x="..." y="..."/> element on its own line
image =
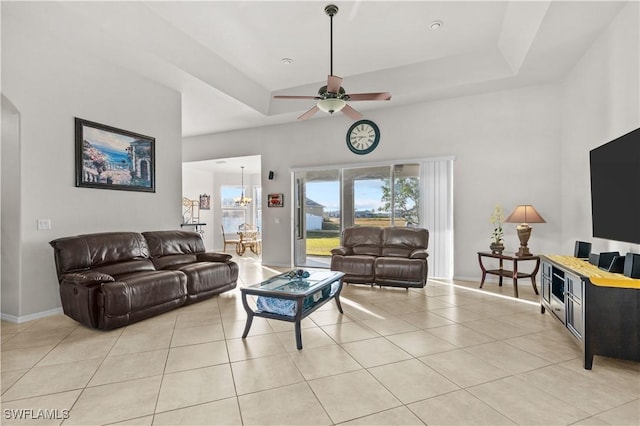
<point x="86" y="278"/>
<point x="341" y="251"/>
<point x="213" y="257"/>
<point x="419" y="254"/>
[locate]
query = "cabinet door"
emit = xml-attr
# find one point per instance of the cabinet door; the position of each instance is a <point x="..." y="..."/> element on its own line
<point x="574" y="305"/>
<point x="546" y="282"/>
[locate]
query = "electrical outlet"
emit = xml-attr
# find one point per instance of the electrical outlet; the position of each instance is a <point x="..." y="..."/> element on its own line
<point x="44" y="224"/>
<point x="276" y="220"/>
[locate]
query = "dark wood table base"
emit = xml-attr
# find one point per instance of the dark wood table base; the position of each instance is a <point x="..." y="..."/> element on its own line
<point x="513" y="274"/>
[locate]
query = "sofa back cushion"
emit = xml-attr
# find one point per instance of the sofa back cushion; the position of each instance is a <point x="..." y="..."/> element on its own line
<point x="169" y="243"/>
<point x="90" y="251"/>
<point x="401" y="241"/>
<point x="363" y="240"/>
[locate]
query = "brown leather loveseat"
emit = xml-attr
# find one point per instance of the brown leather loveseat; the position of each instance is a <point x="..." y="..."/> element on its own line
<point x="393" y="256"/>
<point x="108" y="280"/>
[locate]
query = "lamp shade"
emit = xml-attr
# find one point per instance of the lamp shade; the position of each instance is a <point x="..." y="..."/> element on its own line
<point x="525" y="213"/>
<point x="331" y="105"/>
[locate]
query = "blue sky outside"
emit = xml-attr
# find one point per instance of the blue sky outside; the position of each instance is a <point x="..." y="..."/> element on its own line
<point x="368" y="194"/>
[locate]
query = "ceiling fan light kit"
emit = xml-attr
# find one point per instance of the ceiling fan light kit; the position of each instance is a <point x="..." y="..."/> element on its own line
<point x="332" y="97"/>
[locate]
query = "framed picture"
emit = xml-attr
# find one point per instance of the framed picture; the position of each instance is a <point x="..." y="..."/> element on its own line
<point x="110" y="158"/>
<point x="275" y="200"/>
<point x="205" y="202"/>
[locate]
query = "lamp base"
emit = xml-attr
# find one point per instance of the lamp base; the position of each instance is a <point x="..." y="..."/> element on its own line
<point x="523" y="252"/>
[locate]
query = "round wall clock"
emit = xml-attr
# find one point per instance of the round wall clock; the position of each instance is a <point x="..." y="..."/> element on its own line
<point x="363" y="137"/>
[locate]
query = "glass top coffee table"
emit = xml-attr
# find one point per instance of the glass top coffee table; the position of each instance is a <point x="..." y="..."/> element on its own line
<point x="292" y="296"/>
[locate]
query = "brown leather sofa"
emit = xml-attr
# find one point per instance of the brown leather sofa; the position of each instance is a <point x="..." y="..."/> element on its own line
<point x="393" y="256"/>
<point x="108" y="280"/>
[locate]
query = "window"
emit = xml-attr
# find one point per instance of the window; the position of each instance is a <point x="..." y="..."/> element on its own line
<point x="232" y="215"/>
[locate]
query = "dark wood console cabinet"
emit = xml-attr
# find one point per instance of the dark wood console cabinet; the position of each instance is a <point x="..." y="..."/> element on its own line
<point x="601" y="310"/>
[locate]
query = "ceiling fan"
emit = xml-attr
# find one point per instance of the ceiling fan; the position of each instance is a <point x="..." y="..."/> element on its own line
<point x="333" y="97"/>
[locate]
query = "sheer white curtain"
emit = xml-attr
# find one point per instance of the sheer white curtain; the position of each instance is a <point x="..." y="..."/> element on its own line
<point x="437" y="208"/>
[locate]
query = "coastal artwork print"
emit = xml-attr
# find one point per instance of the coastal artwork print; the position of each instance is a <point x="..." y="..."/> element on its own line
<point x="110" y="158"/>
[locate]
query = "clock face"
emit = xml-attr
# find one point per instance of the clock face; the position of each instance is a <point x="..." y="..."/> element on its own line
<point x="363" y="137"/>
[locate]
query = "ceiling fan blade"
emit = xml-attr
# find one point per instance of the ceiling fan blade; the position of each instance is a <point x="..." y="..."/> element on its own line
<point x="294" y="97"/>
<point x="352" y="113"/>
<point x="381" y="96"/>
<point x="333" y="83"/>
<point x="309" y="113"/>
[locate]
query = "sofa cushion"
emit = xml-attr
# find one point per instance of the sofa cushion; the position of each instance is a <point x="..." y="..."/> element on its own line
<point x="206" y="276"/>
<point x="401" y="241"/>
<point x="166" y="243"/>
<point x="88" y="251"/>
<point x="365" y="240"/>
<point x="129" y="267"/>
<point x="400" y="269"/>
<point x="357" y="268"/>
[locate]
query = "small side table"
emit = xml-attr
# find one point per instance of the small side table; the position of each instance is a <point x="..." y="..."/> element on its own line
<point x="501" y="272"/>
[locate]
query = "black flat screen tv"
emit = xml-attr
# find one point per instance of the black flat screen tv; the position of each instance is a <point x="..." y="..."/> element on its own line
<point x="615" y="189"/>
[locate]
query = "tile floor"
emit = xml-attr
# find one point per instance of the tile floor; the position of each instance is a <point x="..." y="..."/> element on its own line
<point x="445" y="354"/>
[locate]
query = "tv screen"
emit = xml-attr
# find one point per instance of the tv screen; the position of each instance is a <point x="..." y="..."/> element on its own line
<point x="615" y="189"/>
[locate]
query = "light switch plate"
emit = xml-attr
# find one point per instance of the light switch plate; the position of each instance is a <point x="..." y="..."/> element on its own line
<point x="44" y="224"/>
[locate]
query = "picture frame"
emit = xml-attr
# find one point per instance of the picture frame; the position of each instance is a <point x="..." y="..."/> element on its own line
<point x="111" y="158"/>
<point x="205" y="202"/>
<point x="275" y="200"/>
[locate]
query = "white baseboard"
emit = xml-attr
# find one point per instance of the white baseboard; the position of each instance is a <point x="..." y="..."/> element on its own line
<point x="25" y="318"/>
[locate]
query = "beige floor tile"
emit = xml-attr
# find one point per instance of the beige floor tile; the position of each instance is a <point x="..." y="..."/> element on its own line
<point x="164" y="321"/>
<point x="23" y="358"/>
<point x="258" y="374"/>
<point x="119" y="368"/>
<point x="513" y="397"/>
<point x="551" y="350"/>
<point x="459" y="314"/>
<point x="420" y="343"/>
<point x="29" y="339"/>
<point x="400" y="416"/>
<point x="193" y="387"/>
<point x="57" y="404"/>
<point x="288" y="405"/>
<point x="462" y="368"/>
<point x="115" y="402"/>
<point x="138" y="421"/>
<point x="10" y="377"/>
<point x="322" y="318"/>
<point x="461" y="299"/>
<point x="496" y="329"/>
<point x="352" y="395"/>
<point x="222" y="412"/>
<point x="80" y="350"/>
<point x="386" y="327"/>
<point x="457" y="408"/>
<point x="620" y="374"/>
<point x="324" y="361"/>
<point x="412" y="380"/>
<point x="460" y="335"/>
<point x="143" y="341"/>
<point x="580" y="391"/>
<point x="254" y="347"/>
<point x="199" y="334"/>
<point x="12" y="328"/>
<point x="349" y="332"/>
<point x="626" y="414"/>
<point x="197" y="318"/>
<point x="234" y="329"/>
<point x="52" y="378"/>
<point x="507" y="357"/>
<point x="53" y="322"/>
<point x="311" y="338"/>
<point x="196" y="356"/>
<point x="86" y="334"/>
<point x="424" y="320"/>
<point x="533" y="321"/>
<point x="377" y="351"/>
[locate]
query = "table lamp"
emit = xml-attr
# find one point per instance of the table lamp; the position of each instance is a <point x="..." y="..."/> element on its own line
<point x="524" y="214"/>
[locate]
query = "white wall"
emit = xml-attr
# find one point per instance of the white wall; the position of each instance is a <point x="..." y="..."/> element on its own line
<point x="50" y="84"/>
<point x="194" y="183"/>
<point x="601" y="102"/>
<point x="506" y="146"/>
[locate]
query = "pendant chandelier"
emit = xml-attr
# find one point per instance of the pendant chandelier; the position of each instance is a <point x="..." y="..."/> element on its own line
<point x="242" y="200"/>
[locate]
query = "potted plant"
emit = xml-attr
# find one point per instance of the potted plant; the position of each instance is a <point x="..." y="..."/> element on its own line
<point x="496" y="219"/>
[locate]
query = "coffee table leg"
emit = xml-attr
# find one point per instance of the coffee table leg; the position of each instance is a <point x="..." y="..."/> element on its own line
<point x="337" y="297"/>
<point x="298" y="335"/>
<point x="247" y="326"/>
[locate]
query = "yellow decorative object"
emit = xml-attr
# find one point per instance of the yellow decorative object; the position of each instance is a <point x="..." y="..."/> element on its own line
<point x="596" y="275"/>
